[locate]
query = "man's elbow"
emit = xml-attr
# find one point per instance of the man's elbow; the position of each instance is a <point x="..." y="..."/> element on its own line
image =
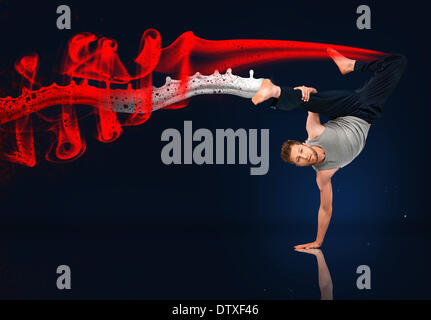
<point x="326" y="209"/>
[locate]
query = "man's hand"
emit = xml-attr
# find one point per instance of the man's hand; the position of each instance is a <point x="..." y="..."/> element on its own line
<point x="316" y="252"/>
<point x="311" y="245"/>
<point x="306" y="91"/>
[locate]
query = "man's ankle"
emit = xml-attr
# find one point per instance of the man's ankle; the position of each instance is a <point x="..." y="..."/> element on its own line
<point x="353" y="65"/>
<point x="277" y="92"/>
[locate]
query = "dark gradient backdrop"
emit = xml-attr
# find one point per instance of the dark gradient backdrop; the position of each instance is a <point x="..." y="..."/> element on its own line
<point x="131" y="227"/>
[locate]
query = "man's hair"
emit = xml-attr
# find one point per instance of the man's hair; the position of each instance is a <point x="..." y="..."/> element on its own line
<point x="286" y="149"/>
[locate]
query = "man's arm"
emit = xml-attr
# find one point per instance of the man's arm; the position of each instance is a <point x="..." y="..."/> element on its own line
<point x="325" y="211"/>
<point x="313" y="126"/>
<point x="323" y="179"/>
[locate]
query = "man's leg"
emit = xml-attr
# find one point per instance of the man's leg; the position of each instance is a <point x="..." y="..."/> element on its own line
<point x="387" y="71"/>
<point x="269" y="90"/>
<point x="343" y="63"/>
<point x="266" y="91"/>
<point x="367" y="105"/>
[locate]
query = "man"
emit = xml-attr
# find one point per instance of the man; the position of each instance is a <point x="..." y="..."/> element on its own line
<point x="335" y="144"/>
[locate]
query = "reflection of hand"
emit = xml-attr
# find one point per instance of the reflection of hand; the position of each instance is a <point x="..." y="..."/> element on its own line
<point x="311" y="245"/>
<point x="316" y="252"/>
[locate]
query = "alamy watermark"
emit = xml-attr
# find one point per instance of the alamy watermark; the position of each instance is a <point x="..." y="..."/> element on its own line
<point x="247" y="143"/>
<point x="64" y="280"/>
<point x="364" y="280"/>
<point x="364" y="20"/>
<point x="64" y="20"/>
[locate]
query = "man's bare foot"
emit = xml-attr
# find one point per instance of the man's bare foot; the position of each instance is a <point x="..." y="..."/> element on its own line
<point x="266" y="91"/>
<point x="345" y="65"/>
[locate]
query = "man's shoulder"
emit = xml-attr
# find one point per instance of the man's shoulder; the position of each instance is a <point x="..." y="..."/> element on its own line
<point x="323" y="178"/>
<point x="315" y="133"/>
<point x="326" y="174"/>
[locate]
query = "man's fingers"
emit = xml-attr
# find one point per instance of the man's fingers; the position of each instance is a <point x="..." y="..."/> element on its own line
<point x="306" y="92"/>
<point x="307" y="246"/>
<point x="302" y="91"/>
<point x="301" y="246"/>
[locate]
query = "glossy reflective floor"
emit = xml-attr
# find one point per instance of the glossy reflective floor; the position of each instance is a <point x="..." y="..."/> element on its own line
<point x="131" y="227"/>
<point x="211" y="262"/>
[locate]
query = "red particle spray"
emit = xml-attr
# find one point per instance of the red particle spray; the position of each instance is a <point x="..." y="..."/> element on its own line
<point x="91" y="58"/>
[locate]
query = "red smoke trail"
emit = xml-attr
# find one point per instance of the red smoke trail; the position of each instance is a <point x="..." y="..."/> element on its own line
<point x="24" y="153"/>
<point x="90" y="58"/>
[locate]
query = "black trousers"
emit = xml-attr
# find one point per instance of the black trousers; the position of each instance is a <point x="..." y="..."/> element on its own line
<point x="365" y="103"/>
<point x="387" y="71"/>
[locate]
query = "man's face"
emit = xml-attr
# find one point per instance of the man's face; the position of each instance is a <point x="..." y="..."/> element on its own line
<point x="303" y="155"/>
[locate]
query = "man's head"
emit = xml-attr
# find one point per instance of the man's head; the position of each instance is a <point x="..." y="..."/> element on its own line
<point x="298" y="153"/>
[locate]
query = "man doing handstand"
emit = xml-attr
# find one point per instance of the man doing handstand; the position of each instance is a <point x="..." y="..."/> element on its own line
<point x="336" y="143"/>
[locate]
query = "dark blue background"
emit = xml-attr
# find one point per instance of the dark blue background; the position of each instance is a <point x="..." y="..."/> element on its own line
<point x="131" y="227"/>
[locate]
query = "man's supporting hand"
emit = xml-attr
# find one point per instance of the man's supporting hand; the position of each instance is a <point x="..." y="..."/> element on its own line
<point x="311" y="245"/>
<point x="266" y="91"/>
<point x="306" y="92"/>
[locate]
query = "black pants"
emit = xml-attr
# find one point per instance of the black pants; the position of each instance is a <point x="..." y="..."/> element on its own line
<point x="387" y="71"/>
<point x="365" y="103"/>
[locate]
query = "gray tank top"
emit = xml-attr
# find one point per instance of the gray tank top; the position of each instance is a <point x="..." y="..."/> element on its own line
<point x="342" y="140"/>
